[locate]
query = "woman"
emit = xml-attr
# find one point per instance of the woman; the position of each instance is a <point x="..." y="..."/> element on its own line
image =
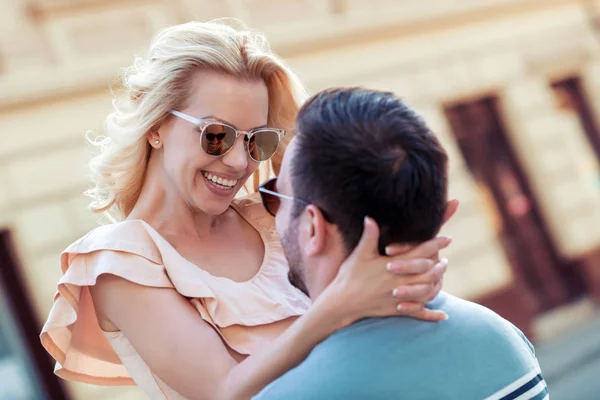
<point x="188" y="295"/>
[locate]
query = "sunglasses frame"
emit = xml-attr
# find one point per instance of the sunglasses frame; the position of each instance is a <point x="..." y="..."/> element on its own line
<point x="202" y="123"/>
<point x="263" y="188"/>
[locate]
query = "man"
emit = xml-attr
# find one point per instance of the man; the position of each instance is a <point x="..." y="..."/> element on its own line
<point x="365" y="153"/>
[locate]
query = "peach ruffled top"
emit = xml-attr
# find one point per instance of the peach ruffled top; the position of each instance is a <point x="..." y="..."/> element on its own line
<point x="248" y="315"/>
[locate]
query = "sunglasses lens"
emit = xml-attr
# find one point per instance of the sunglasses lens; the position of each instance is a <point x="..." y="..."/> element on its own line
<point x="270" y="201"/>
<point x="217" y="139"/>
<point x="263" y="144"/>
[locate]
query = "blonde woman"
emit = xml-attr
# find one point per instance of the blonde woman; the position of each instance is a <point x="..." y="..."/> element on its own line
<point x="188" y="295"/>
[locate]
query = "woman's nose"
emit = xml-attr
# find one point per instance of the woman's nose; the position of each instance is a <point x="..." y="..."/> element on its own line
<point x="237" y="157"/>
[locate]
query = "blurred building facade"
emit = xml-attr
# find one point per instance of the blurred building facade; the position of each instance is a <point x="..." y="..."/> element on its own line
<point x="512" y="88"/>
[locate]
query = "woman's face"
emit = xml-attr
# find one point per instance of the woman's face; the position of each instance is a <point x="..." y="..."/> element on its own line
<point x="188" y="168"/>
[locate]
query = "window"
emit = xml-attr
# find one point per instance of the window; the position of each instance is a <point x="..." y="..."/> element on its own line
<point x="26" y="371"/>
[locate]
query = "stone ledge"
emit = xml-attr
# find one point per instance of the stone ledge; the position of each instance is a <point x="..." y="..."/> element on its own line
<point x="365" y="25"/>
<point x="291" y="41"/>
<point x="46" y="84"/>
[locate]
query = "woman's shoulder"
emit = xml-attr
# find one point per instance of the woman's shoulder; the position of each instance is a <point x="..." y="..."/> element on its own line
<point x="133" y="250"/>
<point x="133" y="237"/>
<point x="125" y="249"/>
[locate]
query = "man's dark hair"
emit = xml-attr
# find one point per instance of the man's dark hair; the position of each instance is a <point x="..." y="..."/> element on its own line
<point x="366" y="153"/>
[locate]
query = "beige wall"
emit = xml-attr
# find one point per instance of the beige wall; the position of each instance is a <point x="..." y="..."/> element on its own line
<point x="56" y="60"/>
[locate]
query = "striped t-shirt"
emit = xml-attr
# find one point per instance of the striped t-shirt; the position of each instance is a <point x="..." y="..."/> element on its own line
<point x="475" y="354"/>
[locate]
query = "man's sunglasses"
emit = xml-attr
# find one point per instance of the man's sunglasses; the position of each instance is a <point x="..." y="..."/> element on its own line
<point x="271" y="199"/>
<point x="261" y="143"/>
<point x="212" y="136"/>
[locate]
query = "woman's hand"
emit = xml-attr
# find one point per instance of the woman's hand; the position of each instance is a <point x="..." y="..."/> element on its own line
<point x="401" y="283"/>
<point x="413" y="296"/>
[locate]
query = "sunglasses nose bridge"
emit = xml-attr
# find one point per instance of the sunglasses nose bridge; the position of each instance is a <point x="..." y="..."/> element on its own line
<point x="244" y="133"/>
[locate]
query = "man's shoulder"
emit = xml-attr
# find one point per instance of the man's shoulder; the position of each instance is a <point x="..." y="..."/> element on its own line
<point x="466" y="319"/>
<point x="470" y="326"/>
<point x="480" y="324"/>
<point x="475" y="350"/>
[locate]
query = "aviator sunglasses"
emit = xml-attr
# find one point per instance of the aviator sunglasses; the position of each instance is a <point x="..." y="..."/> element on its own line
<point x="217" y="138"/>
<point x="271" y="199"/>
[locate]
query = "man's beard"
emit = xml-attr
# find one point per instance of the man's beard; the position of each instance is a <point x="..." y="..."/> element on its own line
<point x="291" y="248"/>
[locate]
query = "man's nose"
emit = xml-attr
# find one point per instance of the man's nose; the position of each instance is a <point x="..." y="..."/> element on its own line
<point x="237" y="157"/>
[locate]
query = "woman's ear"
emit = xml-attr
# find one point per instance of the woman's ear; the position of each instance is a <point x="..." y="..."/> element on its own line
<point x="154" y="139"/>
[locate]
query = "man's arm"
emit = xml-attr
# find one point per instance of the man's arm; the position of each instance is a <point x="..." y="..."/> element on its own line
<point x="530" y="386"/>
<point x="524" y="338"/>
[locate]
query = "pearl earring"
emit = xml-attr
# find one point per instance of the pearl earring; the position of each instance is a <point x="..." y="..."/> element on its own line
<point x="157" y="142"/>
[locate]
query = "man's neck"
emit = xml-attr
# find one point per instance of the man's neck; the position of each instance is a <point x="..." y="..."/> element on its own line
<point x="322" y="271"/>
<point x="315" y="290"/>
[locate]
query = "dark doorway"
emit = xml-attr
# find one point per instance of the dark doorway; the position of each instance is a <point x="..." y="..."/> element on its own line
<point x="25" y="369"/>
<point x="570" y="98"/>
<point x="482" y="139"/>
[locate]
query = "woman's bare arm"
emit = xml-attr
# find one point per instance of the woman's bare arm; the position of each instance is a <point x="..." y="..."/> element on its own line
<point x="188" y="354"/>
<point x="168" y="333"/>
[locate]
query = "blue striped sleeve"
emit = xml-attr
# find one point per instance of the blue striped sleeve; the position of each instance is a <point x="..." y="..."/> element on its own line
<point x="531" y="386"/>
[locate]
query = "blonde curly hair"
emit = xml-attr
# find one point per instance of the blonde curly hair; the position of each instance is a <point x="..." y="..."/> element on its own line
<point x="154" y="85"/>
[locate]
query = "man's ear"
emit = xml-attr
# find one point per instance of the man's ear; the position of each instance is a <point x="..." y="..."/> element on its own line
<point x="451" y="208"/>
<point x="315" y="230"/>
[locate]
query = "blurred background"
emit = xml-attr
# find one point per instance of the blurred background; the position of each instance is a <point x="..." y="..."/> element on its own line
<point x="512" y="88"/>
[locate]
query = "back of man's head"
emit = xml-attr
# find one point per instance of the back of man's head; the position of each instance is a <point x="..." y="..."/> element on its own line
<point x="366" y="153"/>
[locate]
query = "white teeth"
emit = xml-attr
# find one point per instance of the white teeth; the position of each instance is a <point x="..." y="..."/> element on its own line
<point x="227" y="183"/>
